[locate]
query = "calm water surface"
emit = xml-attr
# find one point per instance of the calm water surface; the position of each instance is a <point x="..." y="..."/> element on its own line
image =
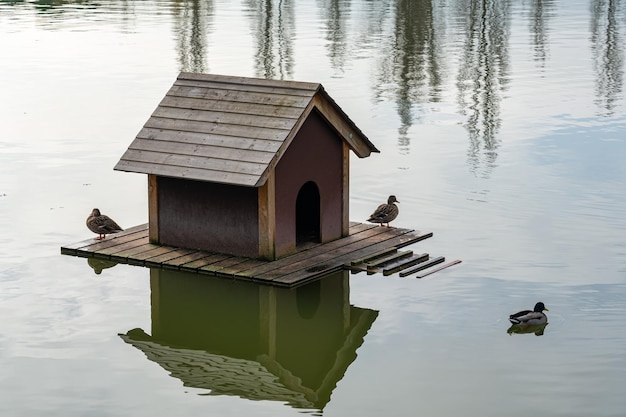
<point x="502" y="129"/>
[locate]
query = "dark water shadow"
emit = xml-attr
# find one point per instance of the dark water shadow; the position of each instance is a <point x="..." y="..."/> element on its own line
<point x="253" y="341"/>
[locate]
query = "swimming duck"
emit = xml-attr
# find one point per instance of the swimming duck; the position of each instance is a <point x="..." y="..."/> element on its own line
<point x="101" y="224"/>
<point x="385" y="212"/>
<point x="528" y="317"/>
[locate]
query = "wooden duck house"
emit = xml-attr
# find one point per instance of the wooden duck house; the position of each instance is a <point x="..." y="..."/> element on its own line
<point x="244" y="166"/>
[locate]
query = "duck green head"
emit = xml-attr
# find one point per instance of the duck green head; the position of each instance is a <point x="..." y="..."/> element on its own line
<point x="539" y="307"/>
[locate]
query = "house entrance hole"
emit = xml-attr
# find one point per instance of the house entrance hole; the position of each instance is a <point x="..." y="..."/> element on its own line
<point x="308" y="214"/>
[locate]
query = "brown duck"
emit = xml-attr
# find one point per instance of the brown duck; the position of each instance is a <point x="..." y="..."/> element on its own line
<point x="101" y="224"/>
<point x="385" y="212"/>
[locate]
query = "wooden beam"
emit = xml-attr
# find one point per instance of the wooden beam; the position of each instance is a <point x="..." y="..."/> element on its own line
<point x="404" y="263"/>
<point x="153" y="209"/>
<point x="387" y="259"/>
<point x="423" y="265"/>
<point x="267" y="219"/>
<point x="432" y="271"/>
<point x="355" y="139"/>
<point x="345" y="190"/>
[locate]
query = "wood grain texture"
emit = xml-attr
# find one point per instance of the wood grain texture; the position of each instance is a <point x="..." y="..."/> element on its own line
<point x="231" y="130"/>
<point x="365" y="240"/>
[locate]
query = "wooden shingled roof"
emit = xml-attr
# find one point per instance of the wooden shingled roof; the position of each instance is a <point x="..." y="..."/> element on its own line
<point x="231" y="130"/>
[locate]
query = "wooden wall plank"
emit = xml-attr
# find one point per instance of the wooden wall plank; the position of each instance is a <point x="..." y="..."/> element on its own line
<point x="262" y="97"/>
<point x="267" y="219"/>
<point x="210" y="128"/>
<point x="153" y="209"/>
<point x="345" y="191"/>
<point x="175" y="148"/>
<point x="247" y="81"/>
<point x="218" y="116"/>
<point x="224" y="141"/>
<point x="267" y="110"/>
<point x="199" y="162"/>
<point x="247" y="180"/>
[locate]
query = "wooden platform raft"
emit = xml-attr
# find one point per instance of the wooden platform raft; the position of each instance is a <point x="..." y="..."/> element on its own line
<point x="368" y="248"/>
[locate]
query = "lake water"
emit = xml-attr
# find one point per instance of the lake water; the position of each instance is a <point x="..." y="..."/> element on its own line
<point x="502" y="129"/>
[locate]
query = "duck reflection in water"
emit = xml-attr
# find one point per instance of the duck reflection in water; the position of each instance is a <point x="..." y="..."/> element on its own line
<point x="98" y="264"/>
<point x="537" y="329"/>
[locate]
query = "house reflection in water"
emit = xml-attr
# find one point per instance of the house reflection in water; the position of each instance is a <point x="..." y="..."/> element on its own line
<point x="255" y="341"/>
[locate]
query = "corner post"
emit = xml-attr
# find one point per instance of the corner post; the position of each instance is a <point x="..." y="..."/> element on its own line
<point x="153" y="209"/>
<point x="345" y="191"/>
<point x="267" y="219"/>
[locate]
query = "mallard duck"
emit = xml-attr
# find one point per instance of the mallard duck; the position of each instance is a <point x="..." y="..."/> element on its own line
<point x="385" y="212"/>
<point x="528" y="317"/>
<point x="101" y="224"/>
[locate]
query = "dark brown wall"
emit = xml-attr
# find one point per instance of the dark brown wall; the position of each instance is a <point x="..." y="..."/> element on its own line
<point x="314" y="155"/>
<point x="214" y="217"/>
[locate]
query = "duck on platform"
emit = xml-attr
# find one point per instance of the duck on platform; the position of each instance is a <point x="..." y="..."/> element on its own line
<point x="385" y="213"/>
<point x="530" y="318"/>
<point x="101" y="224"/>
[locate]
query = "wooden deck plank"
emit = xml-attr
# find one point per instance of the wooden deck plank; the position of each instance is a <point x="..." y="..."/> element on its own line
<point x="136" y="251"/>
<point x="185" y="259"/>
<point x="375" y="263"/>
<point x="90" y="243"/>
<point x="312" y="252"/>
<point x="342" y="254"/>
<point x="238" y="269"/>
<point x="169" y="257"/>
<point x="433" y="270"/>
<point x="153" y="251"/>
<point x="218" y="267"/>
<point x="383" y="252"/>
<point x="365" y="241"/>
<point x="423" y="265"/>
<point x="207" y="260"/>
<point x="302" y="276"/>
<point x="106" y="248"/>
<point x="124" y="246"/>
<point x="401" y="264"/>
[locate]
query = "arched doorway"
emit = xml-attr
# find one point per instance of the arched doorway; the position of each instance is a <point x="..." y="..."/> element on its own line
<point x="308" y="214"/>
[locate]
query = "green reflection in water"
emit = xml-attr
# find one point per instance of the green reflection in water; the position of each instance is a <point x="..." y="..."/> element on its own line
<point x="483" y="76"/>
<point x="254" y="341"/>
<point x="608" y="54"/>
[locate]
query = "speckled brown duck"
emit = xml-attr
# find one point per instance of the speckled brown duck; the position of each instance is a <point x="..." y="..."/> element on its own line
<point x="385" y="213"/>
<point x="101" y="224"/>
